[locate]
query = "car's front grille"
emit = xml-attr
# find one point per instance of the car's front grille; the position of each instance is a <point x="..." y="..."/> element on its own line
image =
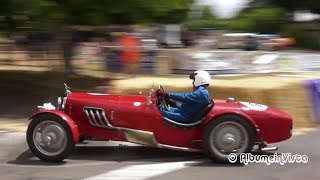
<point x="97" y="117"/>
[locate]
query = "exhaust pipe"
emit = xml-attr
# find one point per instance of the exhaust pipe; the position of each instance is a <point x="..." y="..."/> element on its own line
<point x="269" y="149"/>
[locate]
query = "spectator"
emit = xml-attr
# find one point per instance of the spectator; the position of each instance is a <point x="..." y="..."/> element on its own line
<point x="130" y="54"/>
<point x="68" y="52"/>
<point x="150" y="53"/>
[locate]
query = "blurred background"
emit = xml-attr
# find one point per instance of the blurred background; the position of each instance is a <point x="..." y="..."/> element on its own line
<point x="266" y="51"/>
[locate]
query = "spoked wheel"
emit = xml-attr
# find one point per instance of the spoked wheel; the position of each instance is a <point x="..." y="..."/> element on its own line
<point x="228" y="134"/>
<point x="49" y="138"/>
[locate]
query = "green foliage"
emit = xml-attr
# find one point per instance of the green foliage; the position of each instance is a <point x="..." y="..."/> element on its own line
<point x="101" y="12"/>
<point x="303" y="38"/>
<point x="207" y="13"/>
<point x="34" y="13"/>
<point x="290" y="5"/>
<point x="47" y="15"/>
<point x="262" y="20"/>
<point x="206" y="20"/>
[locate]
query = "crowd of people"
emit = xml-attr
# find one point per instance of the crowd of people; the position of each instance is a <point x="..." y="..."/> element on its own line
<point x="125" y="52"/>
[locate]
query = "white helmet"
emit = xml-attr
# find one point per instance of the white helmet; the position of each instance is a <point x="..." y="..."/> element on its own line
<point x="200" y="78"/>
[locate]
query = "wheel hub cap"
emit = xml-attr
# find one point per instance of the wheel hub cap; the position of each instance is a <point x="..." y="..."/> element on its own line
<point x="229" y="139"/>
<point x="50" y="138"/>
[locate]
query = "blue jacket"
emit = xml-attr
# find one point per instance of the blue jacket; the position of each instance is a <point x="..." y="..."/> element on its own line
<point x="191" y="104"/>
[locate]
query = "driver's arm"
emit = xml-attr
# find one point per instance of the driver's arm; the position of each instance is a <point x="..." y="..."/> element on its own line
<point x="188" y="97"/>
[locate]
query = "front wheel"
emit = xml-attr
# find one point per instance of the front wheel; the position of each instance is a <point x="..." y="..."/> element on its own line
<point x="228" y="134"/>
<point x="49" y="138"/>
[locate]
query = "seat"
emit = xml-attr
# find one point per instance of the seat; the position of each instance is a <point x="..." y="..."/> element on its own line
<point x="195" y="121"/>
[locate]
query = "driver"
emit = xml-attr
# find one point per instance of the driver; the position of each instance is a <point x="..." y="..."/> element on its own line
<point x="191" y="102"/>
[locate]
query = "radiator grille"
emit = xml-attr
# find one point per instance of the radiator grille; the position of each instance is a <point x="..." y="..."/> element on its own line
<point x="97" y="117"/>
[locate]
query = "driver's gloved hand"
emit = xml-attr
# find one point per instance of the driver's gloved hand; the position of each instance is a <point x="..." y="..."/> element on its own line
<point x="161" y="92"/>
<point x="172" y="102"/>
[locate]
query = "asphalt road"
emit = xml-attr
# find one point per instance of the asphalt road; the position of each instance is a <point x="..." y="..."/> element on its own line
<point x="110" y="160"/>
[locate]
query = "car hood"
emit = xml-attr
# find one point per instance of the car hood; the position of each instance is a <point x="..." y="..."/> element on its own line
<point x="106" y="97"/>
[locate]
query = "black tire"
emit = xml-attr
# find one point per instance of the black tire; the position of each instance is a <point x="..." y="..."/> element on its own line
<point x="209" y="145"/>
<point x="59" y="122"/>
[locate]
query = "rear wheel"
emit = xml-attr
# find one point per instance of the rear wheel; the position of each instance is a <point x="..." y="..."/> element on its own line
<point x="228" y="134"/>
<point x="49" y="138"/>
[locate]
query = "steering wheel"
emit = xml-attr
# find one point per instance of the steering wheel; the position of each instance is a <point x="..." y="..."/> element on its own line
<point x="163" y="100"/>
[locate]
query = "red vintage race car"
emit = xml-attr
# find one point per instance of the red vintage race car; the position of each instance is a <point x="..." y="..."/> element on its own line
<point x="220" y="128"/>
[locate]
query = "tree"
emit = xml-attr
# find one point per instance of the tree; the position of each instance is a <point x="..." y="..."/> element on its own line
<point x="290" y="5"/>
<point x="298" y="31"/>
<point x="18" y="13"/>
<point x="262" y="20"/>
<point x="201" y="17"/>
<point x="101" y="12"/>
<point x="207" y="13"/>
<point x="46" y="15"/>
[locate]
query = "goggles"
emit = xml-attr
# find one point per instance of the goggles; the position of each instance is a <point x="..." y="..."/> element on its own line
<point x="191" y="76"/>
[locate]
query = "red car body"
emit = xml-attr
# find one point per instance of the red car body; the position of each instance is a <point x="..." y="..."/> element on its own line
<point x="271" y="125"/>
<point x="136" y="118"/>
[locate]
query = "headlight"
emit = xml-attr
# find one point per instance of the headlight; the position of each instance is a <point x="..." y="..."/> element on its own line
<point x="61" y="103"/>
